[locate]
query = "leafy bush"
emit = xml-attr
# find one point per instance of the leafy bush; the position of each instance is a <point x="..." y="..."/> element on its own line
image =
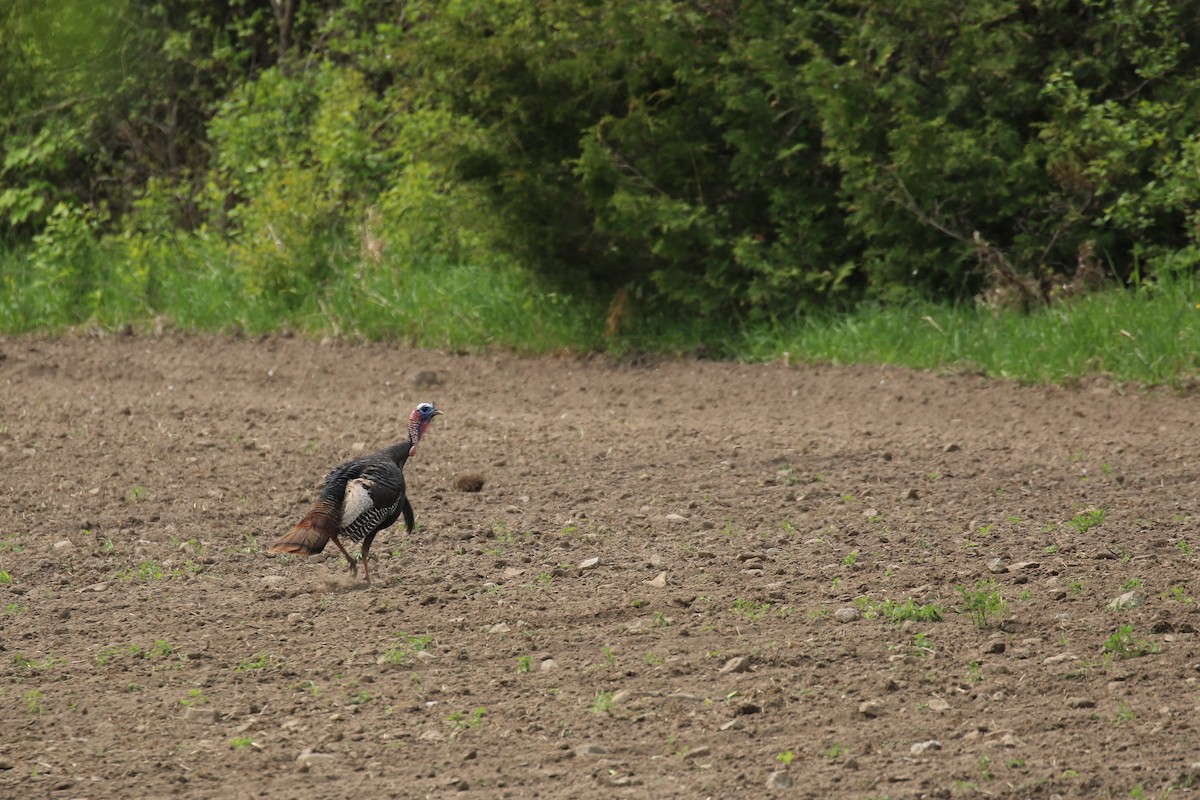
<point x="748" y="160"/>
<point x="664" y="159"/>
<point x="730" y="161"/>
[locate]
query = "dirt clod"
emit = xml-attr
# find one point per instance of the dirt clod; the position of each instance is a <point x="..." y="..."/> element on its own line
<point x="468" y="482"/>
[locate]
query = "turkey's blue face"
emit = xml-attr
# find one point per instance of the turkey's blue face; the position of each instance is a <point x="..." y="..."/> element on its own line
<point x="419" y="420"/>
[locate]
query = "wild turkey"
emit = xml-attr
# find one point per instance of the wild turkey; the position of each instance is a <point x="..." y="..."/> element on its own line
<point x="360" y="498"/>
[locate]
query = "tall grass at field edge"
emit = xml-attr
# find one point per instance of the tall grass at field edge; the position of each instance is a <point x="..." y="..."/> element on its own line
<point x="1148" y="335"/>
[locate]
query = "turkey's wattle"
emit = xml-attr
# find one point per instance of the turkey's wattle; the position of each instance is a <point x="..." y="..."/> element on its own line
<point x="360" y="498"/>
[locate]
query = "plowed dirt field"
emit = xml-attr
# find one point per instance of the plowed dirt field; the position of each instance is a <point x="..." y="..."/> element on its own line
<point x="680" y="579"/>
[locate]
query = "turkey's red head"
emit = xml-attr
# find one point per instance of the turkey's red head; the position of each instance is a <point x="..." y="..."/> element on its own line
<point x="418" y="421"/>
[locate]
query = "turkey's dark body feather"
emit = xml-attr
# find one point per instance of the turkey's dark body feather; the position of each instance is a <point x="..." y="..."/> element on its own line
<point x="381" y="478"/>
<point x="359" y="499"/>
<point x="371" y="521"/>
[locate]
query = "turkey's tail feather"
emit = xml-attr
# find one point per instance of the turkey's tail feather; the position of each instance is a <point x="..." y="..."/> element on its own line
<point x="310" y="535"/>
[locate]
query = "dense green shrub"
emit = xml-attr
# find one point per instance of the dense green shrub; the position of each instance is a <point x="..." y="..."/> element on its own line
<point x="323" y="175"/>
<point x="1041" y="127"/>
<point x="97" y="99"/>
<point x="659" y="157"/>
<point x="729" y="159"/>
<point x="748" y="157"/>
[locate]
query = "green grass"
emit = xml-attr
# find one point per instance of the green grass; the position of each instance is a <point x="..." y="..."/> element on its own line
<point x="462" y="721"/>
<point x="984" y="603"/>
<point x="198" y="287"/>
<point x="259" y="661"/>
<point x="1087" y="520"/>
<point x="406" y="648"/>
<point x="835" y="750"/>
<point x="1123" y="644"/>
<point x="161" y="649"/>
<point x="603" y="702"/>
<point x="1149" y="335"/>
<point x="145" y="571"/>
<point x="908" y="609"/>
<point x="749" y="609"/>
<point x="49" y="662"/>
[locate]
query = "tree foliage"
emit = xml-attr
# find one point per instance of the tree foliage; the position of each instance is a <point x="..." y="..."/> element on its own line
<point x="727" y="157"/>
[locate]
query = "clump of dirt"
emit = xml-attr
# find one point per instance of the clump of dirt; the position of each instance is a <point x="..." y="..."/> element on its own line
<point x="680" y="579"/>
<point x="468" y="482"/>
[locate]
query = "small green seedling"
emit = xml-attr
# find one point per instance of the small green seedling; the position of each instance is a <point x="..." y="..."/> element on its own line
<point x="983" y="603"/>
<point x="1087" y="520"/>
<point x="406" y="648"/>
<point x="259" y="661"/>
<point x="749" y="609"/>
<point x="1123" y="644"/>
<point x="908" y="609"/>
<point x="603" y="702"/>
<point x="461" y="721"/>
<point x="835" y="750"/>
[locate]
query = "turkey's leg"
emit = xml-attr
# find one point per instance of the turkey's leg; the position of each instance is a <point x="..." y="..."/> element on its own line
<point x="366" y="548"/>
<point x="349" y="559"/>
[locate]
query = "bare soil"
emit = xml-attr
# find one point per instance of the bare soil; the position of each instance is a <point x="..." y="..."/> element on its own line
<point x="646" y="598"/>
